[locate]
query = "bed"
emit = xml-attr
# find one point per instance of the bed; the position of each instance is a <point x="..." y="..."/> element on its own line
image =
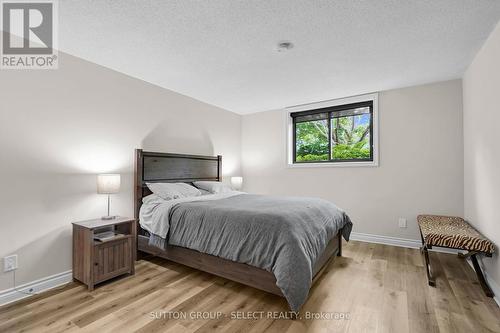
<point x="156" y="167"/>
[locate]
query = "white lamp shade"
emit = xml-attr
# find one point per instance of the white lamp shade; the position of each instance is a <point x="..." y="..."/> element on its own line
<point x="237" y="182"/>
<point x="108" y="183"/>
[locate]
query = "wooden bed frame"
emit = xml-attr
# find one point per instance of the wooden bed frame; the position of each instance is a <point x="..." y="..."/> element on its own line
<point x="169" y="168"/>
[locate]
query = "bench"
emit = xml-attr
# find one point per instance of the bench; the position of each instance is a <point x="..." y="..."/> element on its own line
<point x="454" y="233"/>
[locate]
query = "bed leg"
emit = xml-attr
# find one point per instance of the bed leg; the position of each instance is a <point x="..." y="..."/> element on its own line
<point x="141" y="255"/>
<point x="339" y="253"/>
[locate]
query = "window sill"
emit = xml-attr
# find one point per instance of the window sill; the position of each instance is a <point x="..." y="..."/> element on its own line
<point x="333" y="165"/>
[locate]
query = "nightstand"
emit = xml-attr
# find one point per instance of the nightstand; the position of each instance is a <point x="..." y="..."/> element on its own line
<point x="94" y="260"/>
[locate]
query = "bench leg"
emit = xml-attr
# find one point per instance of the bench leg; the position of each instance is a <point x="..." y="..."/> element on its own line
<point x="466" y="255"/>
<point x="430" y="279"/>
<point x="480" y="276"/>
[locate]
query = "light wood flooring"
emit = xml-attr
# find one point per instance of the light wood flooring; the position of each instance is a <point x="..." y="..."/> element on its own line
<point x="380" y="288"/>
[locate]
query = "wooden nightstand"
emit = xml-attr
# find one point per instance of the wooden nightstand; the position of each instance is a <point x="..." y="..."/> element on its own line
<point x="96" y="261"/>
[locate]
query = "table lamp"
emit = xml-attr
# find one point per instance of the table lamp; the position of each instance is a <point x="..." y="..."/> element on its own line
<point x="108" y="184"/>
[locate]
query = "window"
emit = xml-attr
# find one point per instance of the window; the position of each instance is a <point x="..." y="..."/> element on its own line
<point x="340" y="133"/>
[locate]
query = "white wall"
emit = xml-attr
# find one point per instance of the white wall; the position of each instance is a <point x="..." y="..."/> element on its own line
<point x="421" y="162"/>
<point x="59" y="128"/>
<point x="481" y="87"/>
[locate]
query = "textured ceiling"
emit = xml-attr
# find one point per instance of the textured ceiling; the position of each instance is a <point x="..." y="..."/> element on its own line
<point x="223" y="52"/>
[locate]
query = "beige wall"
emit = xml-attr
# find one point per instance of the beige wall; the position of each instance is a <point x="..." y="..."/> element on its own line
<point x="59" y="128"/>
<point x="421" y="162"/>
<point x="481" y="86"/>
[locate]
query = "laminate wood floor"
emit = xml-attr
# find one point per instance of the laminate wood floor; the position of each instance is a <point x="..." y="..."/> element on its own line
<point x="372" y="288"/>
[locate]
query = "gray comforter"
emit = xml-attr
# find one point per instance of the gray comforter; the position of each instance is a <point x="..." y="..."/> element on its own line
<point x="284" y="235"/>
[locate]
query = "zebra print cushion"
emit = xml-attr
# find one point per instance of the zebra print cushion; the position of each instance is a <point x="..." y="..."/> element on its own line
<point x="454" y="232"/>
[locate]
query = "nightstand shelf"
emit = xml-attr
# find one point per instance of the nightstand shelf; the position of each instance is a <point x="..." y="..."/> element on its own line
<point x="117" y="237"/>
<point x="95" y="261"/>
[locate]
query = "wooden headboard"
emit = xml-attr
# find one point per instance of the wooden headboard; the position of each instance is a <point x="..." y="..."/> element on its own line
<point x="153" y="167"/>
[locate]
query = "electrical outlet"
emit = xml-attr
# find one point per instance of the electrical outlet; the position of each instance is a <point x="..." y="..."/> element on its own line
<point x="402" y="222"/>
<point x="10" y="263"/>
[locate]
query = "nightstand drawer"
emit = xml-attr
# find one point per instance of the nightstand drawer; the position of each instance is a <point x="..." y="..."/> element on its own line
<point x="112" y="258"/>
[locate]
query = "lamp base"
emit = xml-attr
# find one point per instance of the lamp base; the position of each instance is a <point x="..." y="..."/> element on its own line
<point x="108" y="217"/>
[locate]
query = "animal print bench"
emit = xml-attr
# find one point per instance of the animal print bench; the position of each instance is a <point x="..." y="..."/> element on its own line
<point x="455" y="233"/>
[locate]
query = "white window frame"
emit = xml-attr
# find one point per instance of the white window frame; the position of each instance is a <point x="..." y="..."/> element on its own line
<point x="313" y="106"/>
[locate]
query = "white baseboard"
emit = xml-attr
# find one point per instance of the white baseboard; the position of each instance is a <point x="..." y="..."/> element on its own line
<point x="395" y="241"/>
<point x="35" y="287"/>
<point x="401" y="242"/>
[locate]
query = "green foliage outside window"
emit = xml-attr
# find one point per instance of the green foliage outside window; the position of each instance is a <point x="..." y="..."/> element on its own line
<point x="312" y="141"/>
<point x="350" y="139"/>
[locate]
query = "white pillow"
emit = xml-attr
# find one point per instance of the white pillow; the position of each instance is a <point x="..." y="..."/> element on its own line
<point x="170" y="191"/>
<point x="152" y="199"/>
<point x="187" y="190"/>
<point x="213" y="187"/>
